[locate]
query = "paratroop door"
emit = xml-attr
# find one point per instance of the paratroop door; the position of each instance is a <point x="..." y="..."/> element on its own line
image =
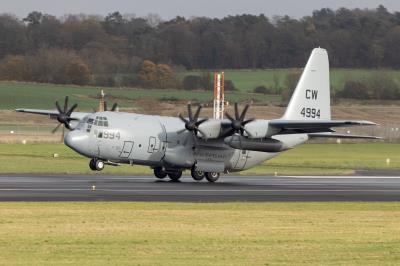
<point x="241" y="162"/>
<point x="127" y="149"/>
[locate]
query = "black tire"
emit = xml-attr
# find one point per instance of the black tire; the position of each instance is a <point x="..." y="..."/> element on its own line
<point x="175" y="176"/>
<point x="159" y="173"/>
<point x="212" y="176"/>
<point x="92" y="165"/>
<point x="99" y="165"/>
<point x="197" y="175"/>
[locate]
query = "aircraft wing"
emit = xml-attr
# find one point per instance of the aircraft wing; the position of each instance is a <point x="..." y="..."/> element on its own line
<point x="340" y="136"/>
<point x="314" y="126"/>
<point x="51" y="113"/>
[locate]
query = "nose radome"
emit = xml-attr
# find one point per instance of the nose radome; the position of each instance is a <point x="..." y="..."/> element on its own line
<point x="78" y="141"/>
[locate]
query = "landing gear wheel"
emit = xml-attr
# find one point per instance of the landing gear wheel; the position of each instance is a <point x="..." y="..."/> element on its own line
<point x="197" y="175"/>
<point x="175" y="176"/>
<point x="99" y="165"/>
<point x="212" y="176"/>
<point x="159" y="173"/>
<point x="92" y="164"/>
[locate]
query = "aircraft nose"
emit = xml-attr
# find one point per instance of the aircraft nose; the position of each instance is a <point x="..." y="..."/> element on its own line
<point x="78" y="141"/>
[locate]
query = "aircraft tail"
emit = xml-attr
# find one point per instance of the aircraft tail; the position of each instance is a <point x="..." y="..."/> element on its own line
<point x="311" y="98"/>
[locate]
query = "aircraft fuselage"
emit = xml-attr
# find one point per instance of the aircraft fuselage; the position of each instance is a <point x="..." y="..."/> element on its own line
<point x="155" y="141"/>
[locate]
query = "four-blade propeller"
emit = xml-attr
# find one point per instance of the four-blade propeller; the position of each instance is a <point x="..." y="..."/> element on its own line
<point x="64" y="115"/>
<point x="193" y="122"/>
<point x="238" y="122"/>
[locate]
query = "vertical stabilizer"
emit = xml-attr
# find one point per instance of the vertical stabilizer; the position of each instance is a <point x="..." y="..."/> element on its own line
<point x="311" y="98"/>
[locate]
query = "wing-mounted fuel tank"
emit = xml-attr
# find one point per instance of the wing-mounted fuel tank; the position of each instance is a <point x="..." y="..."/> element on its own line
<point x="263" y="145"/>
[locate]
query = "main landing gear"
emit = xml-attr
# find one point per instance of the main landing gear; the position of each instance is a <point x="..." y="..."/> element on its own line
<point x="200" y="175"/>
<point x="96" y="164"/>
<point x="161" y="174"/>
<point x="177" y="174"/>
<point x="212" y="176"/>
<point x="197" y="175"/>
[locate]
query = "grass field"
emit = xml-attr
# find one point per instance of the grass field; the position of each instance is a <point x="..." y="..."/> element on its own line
<point x="106" y="233"/>
<point x="16" y="95"/>
<point x="247" y="80"/>
<point x="29" y="95"/>
<point x="307" y="159"/>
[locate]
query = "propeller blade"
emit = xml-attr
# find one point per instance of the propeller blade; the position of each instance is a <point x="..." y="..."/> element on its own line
<point x="247" y="121"/>
<point x="181" y="131"/>
<point x="71" y="110"/>
<point x="184" y="120"/>
<point x="240" y="141"/>
<point x="196" y="143"/>
<point x="243" y="115"/>
<point x="236" y="111"/>
<point x="58" y="108"/>
<point x="229" y="117"/>
<point x="65" y="104"/>
<point x="190" y="113"/>
<point x="227" y="132"/>
<point x="196" y="115"/>
<point x="56" y="128"/>
<point x="67" y="125"/>
<point x="201" y="121"/>
<point x="114" y="107"/>
<point x="72" y="119"/>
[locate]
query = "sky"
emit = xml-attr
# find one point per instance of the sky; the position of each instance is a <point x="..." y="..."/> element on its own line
<point x="168" y="9"/>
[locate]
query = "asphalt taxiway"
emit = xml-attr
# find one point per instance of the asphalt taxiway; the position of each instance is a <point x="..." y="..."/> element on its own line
<point x="228" y="188"/>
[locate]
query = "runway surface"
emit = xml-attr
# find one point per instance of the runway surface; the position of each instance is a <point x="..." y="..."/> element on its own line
<point x="228" y="188"/>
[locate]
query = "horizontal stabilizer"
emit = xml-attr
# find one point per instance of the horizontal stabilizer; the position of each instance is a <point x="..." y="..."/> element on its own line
<point x="340" y="136"/>
<point x="305" y="124"/>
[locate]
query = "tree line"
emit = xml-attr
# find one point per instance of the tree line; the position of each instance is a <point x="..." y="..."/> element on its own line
<point x="113" y="50"/>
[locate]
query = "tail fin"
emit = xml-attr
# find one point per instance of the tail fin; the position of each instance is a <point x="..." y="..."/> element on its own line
<point x="311" y="98"/>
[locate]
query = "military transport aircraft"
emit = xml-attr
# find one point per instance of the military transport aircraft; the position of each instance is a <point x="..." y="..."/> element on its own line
<point x="207" y="147"/>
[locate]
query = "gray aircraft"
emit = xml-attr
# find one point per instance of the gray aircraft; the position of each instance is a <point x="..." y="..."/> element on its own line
<point x="207" y="147"/>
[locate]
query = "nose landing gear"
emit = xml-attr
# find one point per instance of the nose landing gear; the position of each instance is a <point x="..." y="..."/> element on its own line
<point x="96" y="164"/>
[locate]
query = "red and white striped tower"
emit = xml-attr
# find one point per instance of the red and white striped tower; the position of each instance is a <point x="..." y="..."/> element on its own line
<point x="219" y="95"/>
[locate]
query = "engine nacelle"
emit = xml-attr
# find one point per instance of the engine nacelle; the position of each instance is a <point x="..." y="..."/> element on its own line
<point x="263" y="145"/>
<point x="212" y="129"/>
<point x="261" y="129"/>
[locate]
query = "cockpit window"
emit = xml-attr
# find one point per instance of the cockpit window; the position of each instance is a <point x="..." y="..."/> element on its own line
<point x="101" y="121"/>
